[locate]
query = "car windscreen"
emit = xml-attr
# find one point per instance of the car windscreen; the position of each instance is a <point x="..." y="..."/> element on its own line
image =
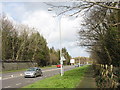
<point x="31" y="69"/>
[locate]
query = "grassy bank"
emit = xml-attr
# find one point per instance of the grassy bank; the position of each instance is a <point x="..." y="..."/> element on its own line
<point x="69" y="80"/>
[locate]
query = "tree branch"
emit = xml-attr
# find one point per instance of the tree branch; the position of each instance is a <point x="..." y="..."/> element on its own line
<point x="105" y="6"/>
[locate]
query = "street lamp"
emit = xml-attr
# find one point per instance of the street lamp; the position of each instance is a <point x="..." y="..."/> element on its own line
<point x="61" y="60"/>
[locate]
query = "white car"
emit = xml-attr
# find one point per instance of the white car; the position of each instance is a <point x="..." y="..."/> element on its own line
<point x="33" y="72"/>
<point x="77" y="65"/>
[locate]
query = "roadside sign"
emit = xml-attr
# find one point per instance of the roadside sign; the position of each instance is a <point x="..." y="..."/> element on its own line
<point x="72" y="61"/>
<point x="63" y="58"/>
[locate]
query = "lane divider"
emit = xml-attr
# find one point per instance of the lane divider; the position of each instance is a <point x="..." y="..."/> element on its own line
<point x="13" y="76"/>
<point x="18" y="83"/>
<point x="21" y="74"/>
<point x="51" y="70"/>
<point x="7" y="87"/>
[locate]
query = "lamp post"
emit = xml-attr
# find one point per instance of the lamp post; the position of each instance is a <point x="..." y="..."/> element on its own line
<point x="61" y="61"/>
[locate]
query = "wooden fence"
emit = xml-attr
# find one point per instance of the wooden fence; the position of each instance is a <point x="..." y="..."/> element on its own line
<point x="107" y="76"/>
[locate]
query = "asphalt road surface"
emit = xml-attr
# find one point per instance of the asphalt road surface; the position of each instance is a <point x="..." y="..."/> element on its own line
<point x="17" y="80"/>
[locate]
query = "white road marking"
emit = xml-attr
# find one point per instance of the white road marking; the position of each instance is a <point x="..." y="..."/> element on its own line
<point x="20" y="75"/>
<point x="29" y="81"/>
<point x="0" y="78"/>
<point x="7" y="87"/>
<point x="11" y="75"/>
<point x="18" y="83"/>
<point x="51" y="70"/>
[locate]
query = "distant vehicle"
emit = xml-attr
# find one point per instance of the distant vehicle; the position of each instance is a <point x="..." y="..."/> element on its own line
<point x="33" y="72"/>
<point x="58" y="66"/>
<point x="77" y="65"/>
<point x="81" y="64"/>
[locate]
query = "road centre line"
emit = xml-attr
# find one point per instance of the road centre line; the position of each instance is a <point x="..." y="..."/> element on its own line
<point x="51" y="70"/>
<point x="7" y="87"/>
<point x="18" y="83"/>
<point x="12" y="76"/>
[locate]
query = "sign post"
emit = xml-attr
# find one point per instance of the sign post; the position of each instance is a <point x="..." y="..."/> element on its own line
<point x="61" y="62"/>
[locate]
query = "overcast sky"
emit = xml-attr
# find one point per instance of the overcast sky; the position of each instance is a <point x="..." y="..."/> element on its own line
<point x="36" y="15"/>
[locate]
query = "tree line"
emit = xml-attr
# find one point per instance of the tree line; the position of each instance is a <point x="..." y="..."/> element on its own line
<point x="99" y="30"/>
<point x="100" y="33"/>
<point x="22" y="43"/>
<point x="83" y="60"/>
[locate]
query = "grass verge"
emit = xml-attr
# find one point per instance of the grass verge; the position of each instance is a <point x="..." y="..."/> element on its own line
<point x="27" y="68"/>
<point x="70" y="79"/>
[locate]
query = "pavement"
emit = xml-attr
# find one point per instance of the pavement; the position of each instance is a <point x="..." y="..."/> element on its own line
<point x="88" y="80"/>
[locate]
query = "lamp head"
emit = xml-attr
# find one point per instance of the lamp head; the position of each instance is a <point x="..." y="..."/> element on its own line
<point x="50" y="9"/>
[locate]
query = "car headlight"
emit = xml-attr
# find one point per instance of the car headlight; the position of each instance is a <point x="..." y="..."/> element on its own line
<point x="32" y="73"/>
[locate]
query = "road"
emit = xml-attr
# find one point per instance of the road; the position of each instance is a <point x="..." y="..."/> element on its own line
<point x="17" y="80"/>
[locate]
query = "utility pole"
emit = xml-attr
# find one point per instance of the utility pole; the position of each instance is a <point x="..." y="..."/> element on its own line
<point x="61" y="60"/>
